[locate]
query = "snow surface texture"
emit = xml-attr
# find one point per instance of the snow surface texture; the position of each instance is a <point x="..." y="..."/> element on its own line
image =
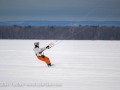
<point x="79" y="65"/>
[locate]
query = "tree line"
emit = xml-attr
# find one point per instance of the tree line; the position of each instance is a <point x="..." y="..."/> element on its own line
<point x="60" y="32"/>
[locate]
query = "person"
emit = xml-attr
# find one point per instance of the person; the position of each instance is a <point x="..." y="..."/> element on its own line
<point x="40" y="55"/>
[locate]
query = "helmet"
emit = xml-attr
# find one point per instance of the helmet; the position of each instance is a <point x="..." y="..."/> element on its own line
<point x="36" y="43"/>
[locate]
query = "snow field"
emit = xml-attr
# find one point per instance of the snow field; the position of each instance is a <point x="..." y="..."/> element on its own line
<point x="79" y="65"/>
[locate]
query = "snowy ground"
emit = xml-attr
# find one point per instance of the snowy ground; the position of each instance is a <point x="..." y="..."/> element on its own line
<point x="79" y="65"/>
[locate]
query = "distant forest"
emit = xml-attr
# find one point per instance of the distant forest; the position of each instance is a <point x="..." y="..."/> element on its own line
<point x="60" y="32"/>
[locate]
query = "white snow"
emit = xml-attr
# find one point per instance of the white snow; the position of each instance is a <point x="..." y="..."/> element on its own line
<point x="79" y="65"/>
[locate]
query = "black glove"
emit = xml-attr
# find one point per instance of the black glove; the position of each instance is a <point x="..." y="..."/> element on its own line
<point x="48" y="47"/>
<point x="40" y="52"/>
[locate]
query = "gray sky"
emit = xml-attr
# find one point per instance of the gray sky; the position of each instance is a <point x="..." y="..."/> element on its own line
<point x="70" y="10"/>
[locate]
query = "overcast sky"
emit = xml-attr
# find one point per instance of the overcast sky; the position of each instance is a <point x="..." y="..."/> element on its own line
<point x="67" y="10"/>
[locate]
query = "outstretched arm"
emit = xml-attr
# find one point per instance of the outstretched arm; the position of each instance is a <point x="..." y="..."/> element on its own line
<point x="42" y="49"/>
<point x="47" y="47"/>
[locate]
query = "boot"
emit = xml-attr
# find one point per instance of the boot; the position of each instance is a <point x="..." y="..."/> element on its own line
<point x="49" y="65"/>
